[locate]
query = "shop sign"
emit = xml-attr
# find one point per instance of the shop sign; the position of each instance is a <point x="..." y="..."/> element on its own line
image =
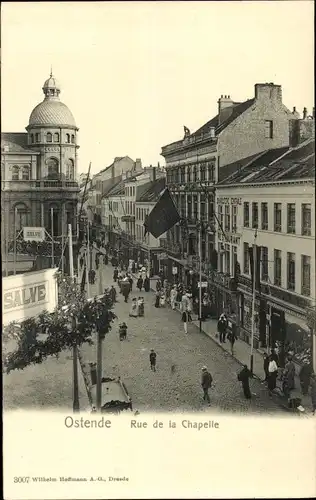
<point x="27" y="295"/>
<point x="226" y="200"/>
<point x="33" y="234"/>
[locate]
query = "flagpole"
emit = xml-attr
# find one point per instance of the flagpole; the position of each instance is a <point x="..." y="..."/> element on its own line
<point x="75" y="348"/>
<point x="88" y="259"/>
<point x="200" y="278"/>
<point x="52" y="233"/>
<point x="254" y="253"/>
<point x="14" y="248"/>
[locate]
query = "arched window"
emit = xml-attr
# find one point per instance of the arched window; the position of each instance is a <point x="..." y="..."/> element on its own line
<point x="32" y="138"/>
<point x="73" y="139"/>
<point x="70" y="170"/>
<point x="68" y="138"/>
<point x="49" y="137"/>
<point x="15" y="173"/>
<point x="52" y="168"/>
<point x="26" y="173"/>
<point x="21" y="216"/>
<point x="56" y="137"/>
<point x="38" y="137"/>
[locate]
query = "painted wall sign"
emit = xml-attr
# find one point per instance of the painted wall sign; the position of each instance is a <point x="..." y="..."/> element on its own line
<point x="229" y="201"/>
<point x="33" y="234"/>
<point x="27" y="295"/>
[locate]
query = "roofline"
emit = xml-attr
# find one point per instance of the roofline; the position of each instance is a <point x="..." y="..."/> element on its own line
<point x="24" y="152"/>
<point x="276" y="181"/>
<point x="51" y="125"/>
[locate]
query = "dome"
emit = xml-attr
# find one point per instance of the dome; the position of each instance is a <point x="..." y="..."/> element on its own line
<point x="52" y="112"/>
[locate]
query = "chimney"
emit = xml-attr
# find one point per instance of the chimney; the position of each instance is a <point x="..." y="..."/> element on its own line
<point x="153" y="173"/>
<point x="225" y="108"/>
<point x="304" y="113"/>
<point x="138" y="164"/>
<point x="265" y="91"/>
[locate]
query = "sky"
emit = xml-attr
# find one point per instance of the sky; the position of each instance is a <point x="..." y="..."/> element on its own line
<point x="134" y="73"/>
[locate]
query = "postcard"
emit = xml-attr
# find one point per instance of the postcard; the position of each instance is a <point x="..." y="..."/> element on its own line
<point x="158" y="250"/>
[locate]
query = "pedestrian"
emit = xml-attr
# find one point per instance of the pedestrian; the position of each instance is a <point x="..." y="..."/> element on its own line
<point x="134" y="308"/>
<point x="266" y="362"/>
<point x="140" y="283"/>
<point x="232" y="337"/>
<point x="112" y="294"/>
<point x="158" y="285"/>
<point x="185" y="319"/>
<point x="141" y="307"/>
<point x="244" y="377"/>
<point x="305" y="376"/>
<point x="130" y="279"/>
<point x="152" y="359"/>
<point x="221" y="328"/>
<point x="146" y="284"/>
<point x="123" y="331"/>
<point x="173" y="296"/>
<point x="273" y="373"/>
<point x="313" y="392"/>
<point x="157" y="301"/>
<point x="206" y="384"/>
<point x="105" y="260"/>
<point x="115" y="274"/>
<point x="92" y="276"/>
<point x="288" y="383"/>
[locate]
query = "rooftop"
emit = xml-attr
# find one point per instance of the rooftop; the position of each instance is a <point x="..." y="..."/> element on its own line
<point x="151" y="190"/>
<point x="281" y="164"/>
<point x="15" y="142"/>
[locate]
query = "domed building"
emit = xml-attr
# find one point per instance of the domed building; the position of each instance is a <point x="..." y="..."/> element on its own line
<point x="39" y="169"/>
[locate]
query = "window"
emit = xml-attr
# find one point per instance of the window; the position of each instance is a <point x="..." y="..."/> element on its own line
<point x="15" y="173"/>
<point x="67" y="138"/>
<point x="210" y="207"/>
<point x="306" y="275"/>
<point x="268" y="129"/>
<point x="291" y="271"/>
<point x="195" y="207"/>
<point x="277" y="267"/>
<point x="246" y="214"/>
<point x="182" y="174"/>
<point x="227" y="218"/>
<point x="227" y="259"/>
<point x="195" y="176"/>
<point x="264" y="264"/>
<point x="234" y="218"/>
<point x="203" y="172"/>
<point x="21" y="217"/>
<point x="38" y="137"/>
<point x="202" y="207"/>
<point x="189" y="173"/>
<point x="306" y="219"/>
<point x="211" y="171"/>
<point x="52" y="169"/>
<point x="189" y="206"/>
<point x="277" y="217"/>
<point x="234" y="259"/>
<point x="264" y="216"/>
<point x="220" y="215"/>
<point x="56" y="137"/>
<point x="255" y="215"/>
<point x="70" y="170"/>
<point x="26" y="173"/>
<point x="182" y="205"/>
<point x="246" y="258"/>
<point x="291" y="218"/>
<point x="73" y="139"/>
<point x="49" y="137"/>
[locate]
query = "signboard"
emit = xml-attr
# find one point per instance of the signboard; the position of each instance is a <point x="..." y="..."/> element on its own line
<point x="33" y="234"/>
<point x="202" y="284"/>
<point x="162" y="256"/>
<point x="174" y="270"/>
<point x="27" y="295"/>
<point x="225" y="200"/>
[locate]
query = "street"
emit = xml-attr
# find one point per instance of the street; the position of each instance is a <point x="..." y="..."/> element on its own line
<point x="167" y="390"/>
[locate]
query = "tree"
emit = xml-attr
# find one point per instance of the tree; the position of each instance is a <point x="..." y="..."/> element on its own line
<point x="49" y="334"/>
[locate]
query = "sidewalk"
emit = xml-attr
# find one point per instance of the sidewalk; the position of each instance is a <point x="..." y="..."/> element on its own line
<point x="241" y="354"/>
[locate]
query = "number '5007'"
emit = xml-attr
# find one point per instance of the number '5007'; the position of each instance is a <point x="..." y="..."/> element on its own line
<point x="21" y="479"/>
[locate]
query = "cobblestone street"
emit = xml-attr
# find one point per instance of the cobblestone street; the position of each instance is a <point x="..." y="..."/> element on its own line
<point x="164" y="390"/>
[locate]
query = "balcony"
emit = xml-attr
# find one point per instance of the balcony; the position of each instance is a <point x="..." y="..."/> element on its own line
<point x="45" y="185"/>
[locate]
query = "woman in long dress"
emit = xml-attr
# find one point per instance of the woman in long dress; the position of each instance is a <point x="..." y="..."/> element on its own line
<point x="134" y="309"/>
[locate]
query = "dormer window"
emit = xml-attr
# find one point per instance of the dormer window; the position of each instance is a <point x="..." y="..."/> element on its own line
<point x="73" y="139"/>
<point x="68" y="138"/>
<point x="56" y="137"/>
<point x="49" y="137"/>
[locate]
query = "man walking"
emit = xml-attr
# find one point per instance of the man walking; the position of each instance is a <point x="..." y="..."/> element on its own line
<point x="206" y="384"/>
<point x="152" y="359"/>
<point x="244" y="377"/>
<point x="221" y="328"/>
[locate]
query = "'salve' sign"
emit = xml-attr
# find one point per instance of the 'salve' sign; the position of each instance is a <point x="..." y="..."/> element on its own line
<point x="24" y="296"/>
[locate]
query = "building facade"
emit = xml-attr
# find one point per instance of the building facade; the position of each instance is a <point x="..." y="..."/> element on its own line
<point x="39" y="170"/>
<point x="200" y="160"/>
<point x="271" y="203"/>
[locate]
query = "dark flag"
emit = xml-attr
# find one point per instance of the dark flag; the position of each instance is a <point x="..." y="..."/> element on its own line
<point x="83" y="279"/>
<point x="163" y="216"/>
<point x="258" y="265"/>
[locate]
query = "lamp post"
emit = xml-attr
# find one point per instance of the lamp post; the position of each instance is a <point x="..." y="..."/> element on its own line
<point x="253" y="311"/>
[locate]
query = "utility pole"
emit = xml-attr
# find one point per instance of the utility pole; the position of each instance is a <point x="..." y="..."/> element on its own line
<point x="99" y="354"/>
<point x="253" y="312"/>
<point x="52" y="234"/>
<point x="88" y="259"/>
<point x="200" y="277"/>
<point x="74" y="321"/>
<point x="14" y="248"/>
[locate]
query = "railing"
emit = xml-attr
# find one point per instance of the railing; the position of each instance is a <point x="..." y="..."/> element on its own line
<point x="38" y="184"/>
<point x="187" y="141"/>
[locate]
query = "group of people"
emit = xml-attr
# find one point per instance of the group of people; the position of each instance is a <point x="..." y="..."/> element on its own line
<point x="137" y="308"/>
